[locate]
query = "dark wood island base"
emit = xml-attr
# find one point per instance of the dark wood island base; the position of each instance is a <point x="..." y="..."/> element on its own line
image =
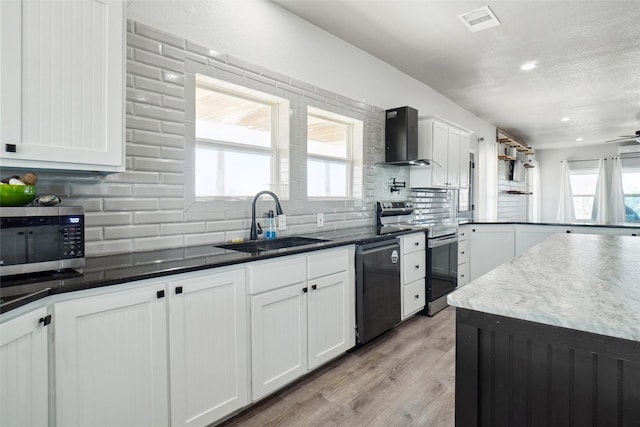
<point x="512" y="372"/>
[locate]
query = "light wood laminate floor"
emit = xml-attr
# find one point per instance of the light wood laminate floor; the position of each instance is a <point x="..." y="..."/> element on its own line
<point x="403" y="378"/>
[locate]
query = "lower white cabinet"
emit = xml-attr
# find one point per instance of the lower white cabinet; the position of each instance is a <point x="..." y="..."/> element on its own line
<point x="23" y="370"/>
<point x="527" y="236"/>
<point x="207" y="347"/>
<point x="490" y="245"/>
<point x="111" y="359"/>
<point x="412" y="273"/>
<point x="171" y="351"/>
<point x="301" y="320"/>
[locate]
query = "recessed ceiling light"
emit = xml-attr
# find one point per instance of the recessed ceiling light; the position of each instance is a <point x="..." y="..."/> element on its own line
<point x="565" y="119"/>
<point x="578" y="139"/>
<point x="529" y="66"/>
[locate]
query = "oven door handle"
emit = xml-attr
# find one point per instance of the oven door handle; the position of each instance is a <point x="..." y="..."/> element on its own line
<point x="441" y="241"/>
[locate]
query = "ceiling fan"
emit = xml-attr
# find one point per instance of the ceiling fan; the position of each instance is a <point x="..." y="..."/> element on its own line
<point x="627" y="138"/>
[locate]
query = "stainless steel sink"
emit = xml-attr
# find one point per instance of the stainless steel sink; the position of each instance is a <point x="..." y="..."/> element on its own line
<point x="254" y="246"/>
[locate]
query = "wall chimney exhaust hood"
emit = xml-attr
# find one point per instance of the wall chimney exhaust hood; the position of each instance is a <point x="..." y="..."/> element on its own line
<point x="401" y="138"/>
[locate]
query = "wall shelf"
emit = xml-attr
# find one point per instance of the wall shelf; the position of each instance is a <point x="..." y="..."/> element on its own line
<point x="506" y="157"/>
<point x="504" y="138"/>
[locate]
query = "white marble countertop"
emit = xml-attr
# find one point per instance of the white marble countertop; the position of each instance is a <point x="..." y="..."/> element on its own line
<point x="585" y="282"/>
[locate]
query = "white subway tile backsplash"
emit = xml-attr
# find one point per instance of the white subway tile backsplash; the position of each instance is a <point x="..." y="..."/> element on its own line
<point x="108" y="218"/>
<point x="144" y="97"/>
<point x="138" y="69"/>
<point x="144" y="124"/>
<point x="131" y="204"/>
<point x="157" y="217"/>
<point x="225" y="225"/>
<point x="135" y="177"/>
<point x="131" y="231"/>
<point x="172" y="178"/>
<point x="93" y="233"/>
<point x="173" y="128"/>
<point x="158" y="61"/>
<point x="153" y="33"/>
<point x="177" y="203"/>
<point x="160" y="87"/>
<point x="171" y="77"/>
<point x="157" y="113"/>
<point x="144" y="190"/>
<point x="108" y="247"/>
<point x="158" y="139"/>
<point x="182" y="228"/>
<point x="203" y="239"/>
<point x="171" y="153"/>
<point x="173" y="103"/>
<point x="145" y="43"/>
<point x="160" y="165"/>
<point x="102" y="189"/>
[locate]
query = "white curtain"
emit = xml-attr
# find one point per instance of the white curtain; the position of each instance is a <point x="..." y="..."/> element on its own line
<point x="599" y="213"/>
<point x="566" y="213"/>
<point x="488" y="180"/>
<point x="617" y="211"/>
<point x="533" y="214"/>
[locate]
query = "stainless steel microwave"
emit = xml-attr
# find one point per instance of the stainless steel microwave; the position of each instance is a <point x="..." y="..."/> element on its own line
<point x="41" y="239"/>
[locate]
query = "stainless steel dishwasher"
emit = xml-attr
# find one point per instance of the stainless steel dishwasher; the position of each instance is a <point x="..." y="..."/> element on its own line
<point x="377" y="288"/>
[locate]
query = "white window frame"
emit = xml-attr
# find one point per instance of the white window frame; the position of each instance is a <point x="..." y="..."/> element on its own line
<point x="584" y="171"/>
<point x="278" y="151"/>
<point x="355" y="143"/>
<point x="635" y="169"/>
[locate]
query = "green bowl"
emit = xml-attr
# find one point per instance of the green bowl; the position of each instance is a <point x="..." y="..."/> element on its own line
<point x="17" y="195"/>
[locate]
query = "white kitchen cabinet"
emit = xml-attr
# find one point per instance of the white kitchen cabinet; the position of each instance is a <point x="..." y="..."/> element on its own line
<point x="412" y="273"/>
<point x="301" y="317"/>
<point x="527" y="236"/>
<point x="490" y="245"/>
<point x="442" y="143"/>
<point x="24" y="370"/>
<point x="330" y="329"/>
<point x="208" y="346"/>
<point x="463" y="255"/>
<point x="278" y="338"/>
<point x="465" y="147"/>
<point x="111" y="359"/>
<point x="62" y="84"/>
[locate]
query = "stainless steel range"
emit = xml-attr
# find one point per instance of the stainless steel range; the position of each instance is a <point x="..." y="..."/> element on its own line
<point x="434" y="212"/>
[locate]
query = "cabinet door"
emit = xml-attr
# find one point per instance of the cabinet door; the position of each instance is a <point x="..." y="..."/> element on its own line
<point x="465" y="147"/>
<point x="62" y="84"/>
<point x="413" y="298"/>
<point x="111" y="359"/>
<point x="208" y="347"/>
<point x="330" y="309"/>
<point x="453" y="158"/>
<point x="414" y="266"/>
<point x="489" y="247"/>
<point x="527" y="236"/>
<point x="440" y="152"/>
<point x="278" y="338"/>
<point x="23" y="371"/>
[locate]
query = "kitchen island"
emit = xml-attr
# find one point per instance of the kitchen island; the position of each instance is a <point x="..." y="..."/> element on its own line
<point x="552" y="337"/>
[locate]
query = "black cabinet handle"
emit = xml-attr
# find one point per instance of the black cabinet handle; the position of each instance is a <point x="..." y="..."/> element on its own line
<point x="474" y="230"/>
<point x="314" y="287"/>
<point x="417" y="243"/>
<point x="160" y="294"/>
<point x="417" y="296"/>
<point x="178" y="289"/>
<point x="461" y="275"/>
<point x="462" y="252"/>
<point x="10" y="148"/>
<point x="568" y="231"/>
<point x="417" y="267"/>
<point x="46" y="320"/>
<point x="305" y="290"/>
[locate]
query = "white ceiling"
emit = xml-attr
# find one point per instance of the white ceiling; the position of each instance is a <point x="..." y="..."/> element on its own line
<point x="588" y="55"/>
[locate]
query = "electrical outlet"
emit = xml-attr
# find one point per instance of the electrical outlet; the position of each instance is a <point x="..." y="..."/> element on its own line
<point x="282" y="222"/>
<point x="320" y="219"/>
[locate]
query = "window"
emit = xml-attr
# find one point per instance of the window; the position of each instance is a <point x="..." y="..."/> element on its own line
<point x="239" y="151"/>
<point x="583" y="188"/>
<point x="334" y="155"/>
<point x="631" y="189"/>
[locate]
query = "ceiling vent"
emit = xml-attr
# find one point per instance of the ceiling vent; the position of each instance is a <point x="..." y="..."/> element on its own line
<point x="479" y="19"/>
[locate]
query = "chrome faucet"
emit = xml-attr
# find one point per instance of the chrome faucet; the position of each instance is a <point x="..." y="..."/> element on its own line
<point x="254" y="230"/>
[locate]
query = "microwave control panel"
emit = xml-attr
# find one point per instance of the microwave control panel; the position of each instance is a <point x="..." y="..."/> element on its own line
<point x="72" y="231"/>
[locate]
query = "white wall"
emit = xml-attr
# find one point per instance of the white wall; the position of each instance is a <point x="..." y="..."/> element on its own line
<point x="550" y="172"/>
<point x="263" y="33"/>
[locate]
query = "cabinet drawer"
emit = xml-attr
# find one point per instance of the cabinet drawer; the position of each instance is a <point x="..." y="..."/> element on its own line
<point x="463" y="232"/>
<point x="463" y="251"/>
<point x="413" y="243"/>
<point x="413" y="297"/>
<point x="463" y="274"/>
<point x="272" y="274"/>
<point x="414" y="267"/>
<point x="323" y="263"/>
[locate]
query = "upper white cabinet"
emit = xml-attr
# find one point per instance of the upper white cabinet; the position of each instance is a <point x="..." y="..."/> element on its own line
<point x="23" y="370"/>
<point x="62" y="84"/>
<point x="465" y="147"/>
<point x="111" y="359"/>
<point x="443" y="144"/>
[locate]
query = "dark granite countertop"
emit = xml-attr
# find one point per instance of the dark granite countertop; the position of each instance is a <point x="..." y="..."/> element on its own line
<point x="629" y="225"/>
<point x="18" y="290"/>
